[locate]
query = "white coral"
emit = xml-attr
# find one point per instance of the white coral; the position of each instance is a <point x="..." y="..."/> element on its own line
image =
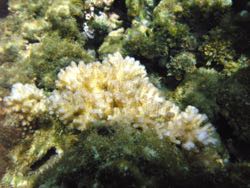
<point x="26" y="101"/>
<point x="118" y="91"/>
<point x="190" y="127"/>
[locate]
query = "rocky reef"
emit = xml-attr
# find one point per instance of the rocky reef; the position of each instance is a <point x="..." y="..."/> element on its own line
<point x="125" y="93"/>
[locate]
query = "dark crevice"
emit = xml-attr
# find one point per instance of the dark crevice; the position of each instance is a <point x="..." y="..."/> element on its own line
<point x="36" y="165"/>
<point x="239" y="5"/>
<point x="152" y="66"/>
<point x="105" y="131"/>
<point x="119" y="7"/>
<point x="225" y="133"/>
<point x="3" y="8"/>
<point x="223" y="128"/>
<point x="238" y="150"/>
<point x="32" y="41"/>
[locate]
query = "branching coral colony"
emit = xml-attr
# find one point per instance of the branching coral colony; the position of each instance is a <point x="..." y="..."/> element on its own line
<point x="114" y="91"/>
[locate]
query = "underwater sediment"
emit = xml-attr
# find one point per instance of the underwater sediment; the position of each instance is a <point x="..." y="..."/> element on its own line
<point x="124" y="93"/>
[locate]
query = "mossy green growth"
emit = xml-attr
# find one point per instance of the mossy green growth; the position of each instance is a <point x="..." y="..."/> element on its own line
<point x="12" y="44"/>
<point x="153" y="36"/>
<point x="11" y="74"/>
<point x="181" y="64"/>
<point x="29" y="8"/>
<point x="140" y="8"/>
<point x="113" y="42"/>
<point x="11" y="49"/>
<point x="205" y="14"/>
<point x="234" y="102"/>
<point x="33" y="30"/>
<point x="166" y="30"/>
<point x="103" y="23"/>
<point x="117" y="156"/>
<point x="148" y="40"/>
<point x="112" y="156"/>
<point x="53" y="53"/>
<point x="40" y="17"/>
<point x="40" y="38"/>
<point x="63" y="16"/>
<point x="199" y="89"/>
<point x="216" y="51"/>
<point x="141" y="40"/>
<point x="166" y="15"/>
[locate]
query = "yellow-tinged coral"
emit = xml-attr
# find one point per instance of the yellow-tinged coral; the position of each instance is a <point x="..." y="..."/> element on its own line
<point x="118" y="91"/>
<point x="26" y="102"/>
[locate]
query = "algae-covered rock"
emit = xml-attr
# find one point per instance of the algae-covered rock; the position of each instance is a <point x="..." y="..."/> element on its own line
<point x="117" y="156"/>
<point x="200" y="89"/>
<point x="11" y="49"/>
<point x="152" y="44"/>
<point x="40" y="17"/>
<point x="36" y="154"/>
<point x="181" y="64"/>
<point x="166" y="15"/>
<point x="108" y="156"/>
<point x="52" y="54"/>
<point x="9" y="76"/>
<point x="113" y="42"/>
<point x="216" y="51"/>
<point x="166" y="28"/>
<point x="105" y="156"/>
<point x="39" y="38"/>
<point x="140" y="8"/>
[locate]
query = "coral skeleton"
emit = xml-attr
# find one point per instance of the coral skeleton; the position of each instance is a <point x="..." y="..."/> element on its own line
<point x="118" y="91"/>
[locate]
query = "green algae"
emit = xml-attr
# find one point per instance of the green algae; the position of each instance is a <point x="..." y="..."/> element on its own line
<point x="200" y="89"/>
<point x="114" y="156"/>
